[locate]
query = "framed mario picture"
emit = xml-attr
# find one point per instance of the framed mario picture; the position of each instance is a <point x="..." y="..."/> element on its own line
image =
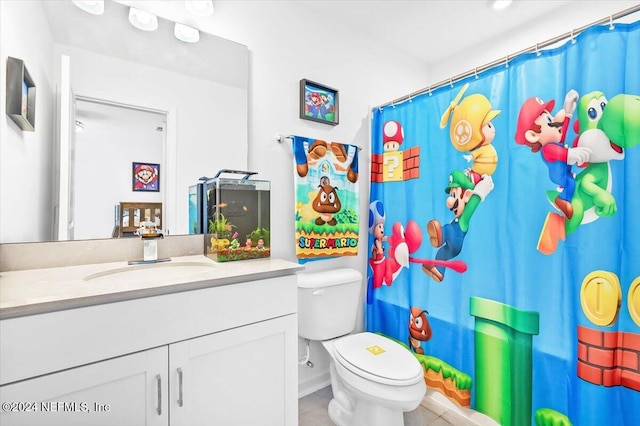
<point x="146" y="177"/>
<point x="318" y="102"/>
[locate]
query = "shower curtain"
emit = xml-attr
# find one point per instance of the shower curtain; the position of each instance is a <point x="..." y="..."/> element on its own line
<point x="504" y="233"/>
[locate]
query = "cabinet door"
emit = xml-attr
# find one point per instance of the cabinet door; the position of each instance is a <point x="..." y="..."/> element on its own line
<point x="128" y="390"/>
<point x="243" y="376"/>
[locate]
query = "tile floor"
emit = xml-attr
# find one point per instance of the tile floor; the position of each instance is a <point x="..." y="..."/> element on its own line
<point x="435" y="410"/>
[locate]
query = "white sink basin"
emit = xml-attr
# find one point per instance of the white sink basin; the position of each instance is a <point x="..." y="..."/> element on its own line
<point x="153" y="271"/>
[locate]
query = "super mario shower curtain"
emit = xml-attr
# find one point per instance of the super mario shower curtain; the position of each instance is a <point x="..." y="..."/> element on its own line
<point x="504" y="230"/>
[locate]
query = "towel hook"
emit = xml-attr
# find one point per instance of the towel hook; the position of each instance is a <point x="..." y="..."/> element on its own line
<point x="611" y="26"/>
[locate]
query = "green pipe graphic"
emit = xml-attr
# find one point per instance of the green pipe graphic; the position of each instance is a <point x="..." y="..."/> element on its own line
<point x="503" y="361"/>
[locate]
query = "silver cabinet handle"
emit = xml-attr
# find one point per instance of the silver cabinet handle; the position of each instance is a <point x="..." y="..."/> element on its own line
<point x="180" y="400"/>
<point x="159" y="384"/>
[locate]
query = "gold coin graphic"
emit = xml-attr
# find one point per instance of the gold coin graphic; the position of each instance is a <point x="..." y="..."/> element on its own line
<point x="633" y="300"/>
<point x="601" y="297"/>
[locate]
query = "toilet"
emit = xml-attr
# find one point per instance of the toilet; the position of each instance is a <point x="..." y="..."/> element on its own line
<point x="374" y="379"/>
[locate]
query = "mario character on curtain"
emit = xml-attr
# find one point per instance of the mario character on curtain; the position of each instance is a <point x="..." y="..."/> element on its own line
<point x="541" y="131"/>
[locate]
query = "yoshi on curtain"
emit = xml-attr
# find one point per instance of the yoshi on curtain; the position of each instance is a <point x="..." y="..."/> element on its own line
<point x="326" y="191"/>
<point x="504" y="234"/>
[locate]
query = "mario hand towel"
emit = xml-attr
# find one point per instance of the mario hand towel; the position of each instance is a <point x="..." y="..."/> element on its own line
<point x="326" y="190"/>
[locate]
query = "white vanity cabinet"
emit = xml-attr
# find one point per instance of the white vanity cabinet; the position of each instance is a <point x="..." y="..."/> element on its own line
<point x="222" y="355"/>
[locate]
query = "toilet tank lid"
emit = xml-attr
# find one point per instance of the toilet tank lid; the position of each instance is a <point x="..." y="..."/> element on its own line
<point x="328" y="278"/>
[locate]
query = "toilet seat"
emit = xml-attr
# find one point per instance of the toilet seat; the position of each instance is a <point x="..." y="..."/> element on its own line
<point x="379" y="359"/>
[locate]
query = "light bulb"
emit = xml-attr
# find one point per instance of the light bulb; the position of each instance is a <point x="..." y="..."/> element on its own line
<point x="201" y="8"/>
<point x="500" y="4"/>
<point x="186" y="34"/>
<point x="143" y="20"/>
<point x="94" y="7"/>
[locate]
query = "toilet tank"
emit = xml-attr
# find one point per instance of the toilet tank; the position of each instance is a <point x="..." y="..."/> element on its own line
<point x="328" y="303"/>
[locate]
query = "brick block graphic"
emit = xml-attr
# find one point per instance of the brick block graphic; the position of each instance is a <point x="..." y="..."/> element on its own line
<point x="609" y="358"/>
<point x="396" y="166"/>
<point x="411" y="163"/>
<point x="376" y="168"/>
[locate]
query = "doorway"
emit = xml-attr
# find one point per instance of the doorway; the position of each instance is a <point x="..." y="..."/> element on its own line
<point x="110" y="138"/>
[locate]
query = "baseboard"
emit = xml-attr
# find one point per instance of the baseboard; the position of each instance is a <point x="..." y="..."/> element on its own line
<point x="439" y="404"/>
<point x="313" y="384"/>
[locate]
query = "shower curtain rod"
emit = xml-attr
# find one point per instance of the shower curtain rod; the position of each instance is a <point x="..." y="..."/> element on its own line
<point x="506" y="59"/>
<point x="281" y="138"/>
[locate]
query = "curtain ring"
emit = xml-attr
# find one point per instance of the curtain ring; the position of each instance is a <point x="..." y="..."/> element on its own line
<point x="475" y="72"/>
<point x="393" y="105"/>
<point x="506" y="61"/>
<point x="451" y="82"/>
<point x="537" y="50"/>
<point x="380" y="108"/>
<point x="611" y="26"/>
<point x="430" y="94"/>
<point x="410" y="98"/>
<point x="573" y="40"/>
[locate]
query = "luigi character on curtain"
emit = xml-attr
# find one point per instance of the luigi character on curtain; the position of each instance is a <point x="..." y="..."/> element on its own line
<point x="464" y="197"/>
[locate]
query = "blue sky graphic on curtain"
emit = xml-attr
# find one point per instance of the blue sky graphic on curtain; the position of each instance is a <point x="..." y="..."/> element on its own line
<point x="504" y="234"/>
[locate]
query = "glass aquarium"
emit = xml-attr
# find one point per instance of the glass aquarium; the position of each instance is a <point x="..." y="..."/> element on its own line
<point x="234" y="217"/>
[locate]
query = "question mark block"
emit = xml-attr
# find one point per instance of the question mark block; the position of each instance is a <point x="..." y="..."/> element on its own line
<point x="392" y="166"/>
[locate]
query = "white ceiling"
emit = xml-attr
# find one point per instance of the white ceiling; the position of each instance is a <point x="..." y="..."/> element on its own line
<point x="427" y="30"/>
<point x="432" y="30"/>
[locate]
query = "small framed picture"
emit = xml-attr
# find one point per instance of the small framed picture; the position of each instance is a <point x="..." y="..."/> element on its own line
<point x="318" y="102"/>
<point x="146" y="177"/>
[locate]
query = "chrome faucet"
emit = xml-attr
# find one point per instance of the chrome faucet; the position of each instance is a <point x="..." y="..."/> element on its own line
<point x="150" y="235"/>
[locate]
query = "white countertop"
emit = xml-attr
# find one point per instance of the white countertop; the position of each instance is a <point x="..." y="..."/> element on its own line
<point x="38" y="291"/>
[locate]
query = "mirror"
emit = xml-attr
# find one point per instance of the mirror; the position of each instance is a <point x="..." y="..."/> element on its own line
<point x="198" y="91"/>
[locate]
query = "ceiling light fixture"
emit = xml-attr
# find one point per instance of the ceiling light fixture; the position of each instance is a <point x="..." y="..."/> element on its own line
<point x="143" y="20"/>
<point x="201" y="8"/>
<point x="94" y="7"/>
<point x="186" y="34"/>
<point x="500" y="4"/>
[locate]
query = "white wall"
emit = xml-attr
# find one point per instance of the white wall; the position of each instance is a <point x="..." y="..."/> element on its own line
<point x="25" y="156"/>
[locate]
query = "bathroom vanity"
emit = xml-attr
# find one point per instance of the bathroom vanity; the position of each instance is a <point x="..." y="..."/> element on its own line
<point x="194" y="343"/>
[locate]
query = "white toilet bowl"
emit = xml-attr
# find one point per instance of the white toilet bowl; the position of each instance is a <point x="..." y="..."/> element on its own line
<point x="374" y="380"/>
